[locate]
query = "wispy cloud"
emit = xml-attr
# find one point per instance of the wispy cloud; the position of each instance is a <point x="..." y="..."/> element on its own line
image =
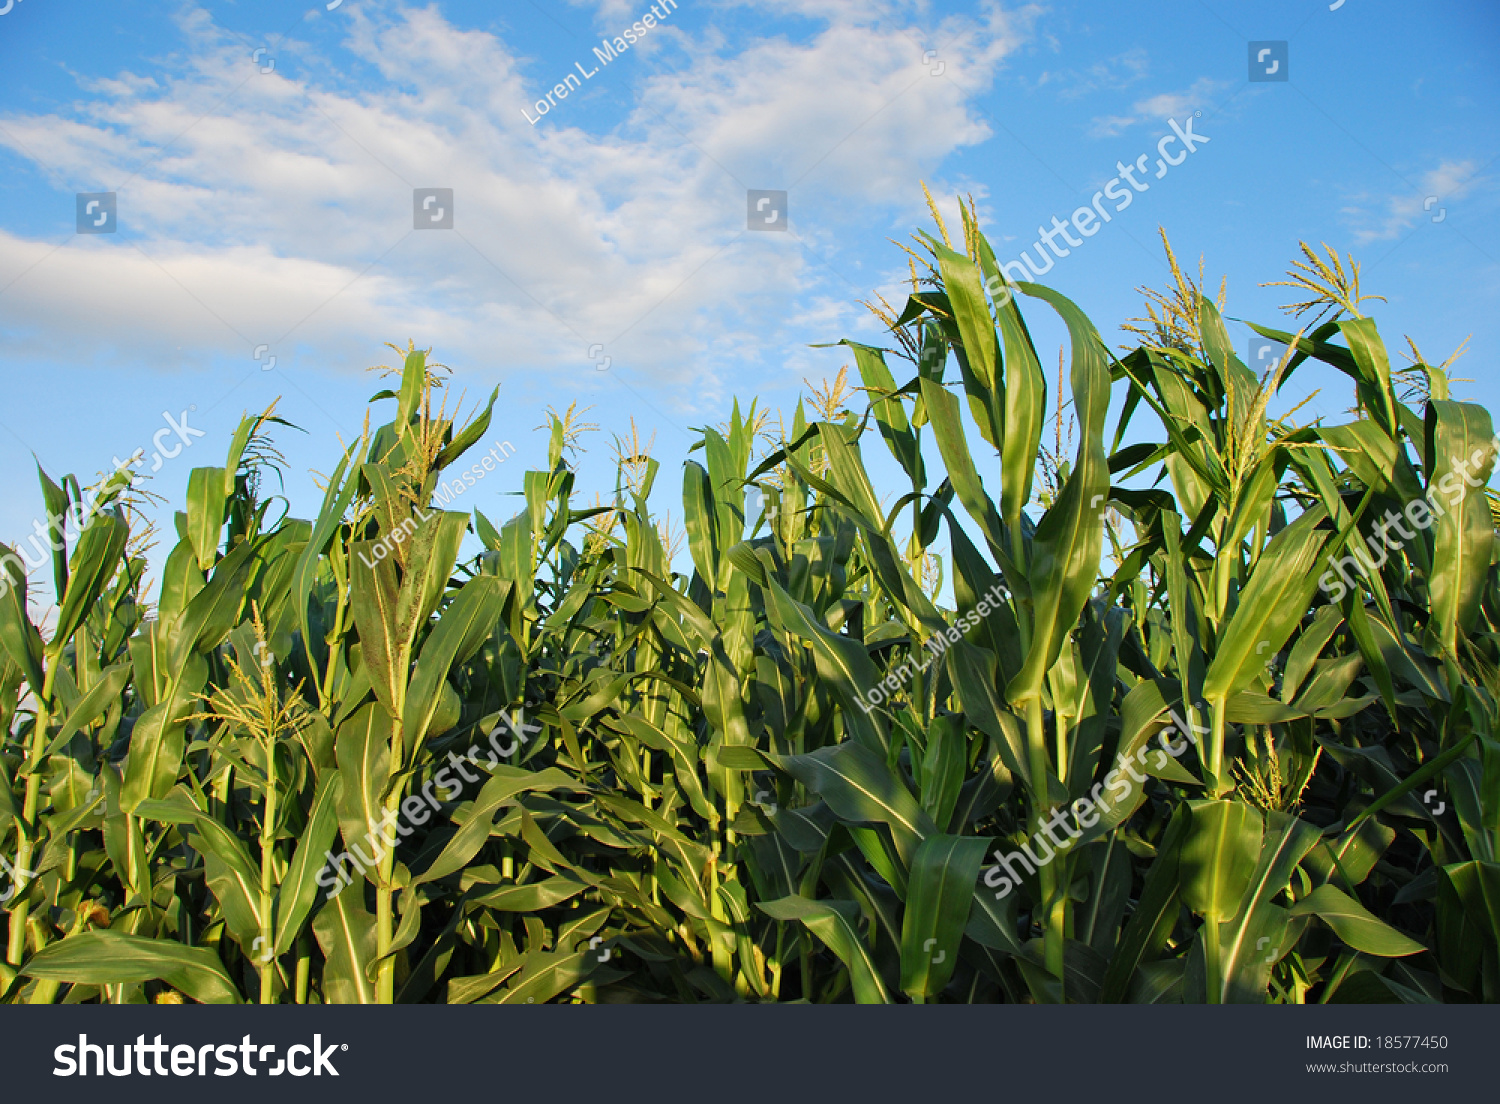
<point x="1113" y="74"/>
<point x="278" y="207"/>
<point x="1107" y="126"/>
<point x="1381" y="218"/>
<point x="1159" y="108"/>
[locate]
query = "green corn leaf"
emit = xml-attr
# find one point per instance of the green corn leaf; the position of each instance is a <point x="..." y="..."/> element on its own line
<point x="890" y="414"/>
<point x="207" y="498"/>
<point x="18" y="636"/>
<point x="1246" y="960"/>
<point x="57" y="513"/>
<point x="373" y="592"/>
<point x="464" y="844"/>
<point x="467" y="623"/>
<point x="971" y="669"/>
<point x="215" y="610"/>
<point x="98" y="554"/>
<point x="847" y="472"/>
<point x="1374" y="369"/>
<point x="108" y="957"/>
<point x="843" y="663"/>
<point x="469" y="436"/>
<point x="1270" y="607"/>
<point x="698" y="512"/>
<point x="159" y="740"/>
<point x="233" y="879"/>
<point x="336" y="499"/>
<point x="434" y="553"/>
<point x="942" y="772"/>
<point x="1219" y="856"/>
<point x="89" y="708"/>
<point x="1463" y="535"/>
<point x="364" y="757"/>
<point x="346" y="934"/>
<point x="1354" y="924"/>
<point x="299" y="885"/>
<point x="861" y="789"/>
<point x="942" y="409"/>
<point x="546" y="975"/>
<point x="1155" y="912"/>
<point x="535" y="896"/>
<point x="835" y="923"/>
<point x="1069" y="539"/>
<point x="940" y="890"/>
<point x="413" y="384"/>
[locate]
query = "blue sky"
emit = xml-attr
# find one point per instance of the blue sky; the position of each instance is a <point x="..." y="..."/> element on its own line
<point x="267" y="199"/>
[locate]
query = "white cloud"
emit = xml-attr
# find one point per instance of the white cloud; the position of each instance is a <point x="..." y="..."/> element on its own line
<point x="1159" y="108"/>
<point x="1110" y="75"/>
<point x="283" y="204"/>
<point x="1385" y="218"/>
<point x="1107" y="126"/>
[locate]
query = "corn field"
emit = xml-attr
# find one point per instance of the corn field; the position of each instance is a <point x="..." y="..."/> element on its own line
<point x="1151" y="753"/>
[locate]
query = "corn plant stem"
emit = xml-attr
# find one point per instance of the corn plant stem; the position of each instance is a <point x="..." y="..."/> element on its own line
<point x="1054" y="904"/>
<point x="719" y="946"/>
<point x="135" y="860"/>
<point x="16" y="946"/>
<point x="265" y="959"/>
<point x="334" y="636"/>
<point x="222" y="788"/>
<point x="1218" y="785"/>
<point x="804" y="959"/>
<point x="778" y="960"/>
<point x="1224" y="567"/>
<point x="46" y="990"/>
<point x="1212" y="966"/>
<point x="1060" y="742"/>
<point x="385" y="980"/>
<point x="304" y="969"/>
